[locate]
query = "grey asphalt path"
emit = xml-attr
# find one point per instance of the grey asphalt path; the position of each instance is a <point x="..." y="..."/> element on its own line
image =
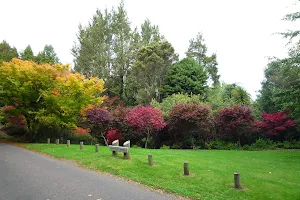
<point x="25" y="175"/>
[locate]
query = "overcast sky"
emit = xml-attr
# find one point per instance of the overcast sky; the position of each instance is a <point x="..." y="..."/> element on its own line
<point x="239" y="31"/>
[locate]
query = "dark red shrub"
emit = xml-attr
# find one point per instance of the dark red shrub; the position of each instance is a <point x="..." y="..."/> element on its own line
<point x="274" y="123"/>
<point x="119" y="123"/>
<point x="98" y="120"/>
<point x="235" y="123"/>
<point x="192" y="122"/>
<point x="98" y="116"/>
<point x="146" y="120"/>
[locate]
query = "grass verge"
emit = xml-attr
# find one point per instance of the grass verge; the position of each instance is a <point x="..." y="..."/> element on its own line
<point x="264" y="174"/>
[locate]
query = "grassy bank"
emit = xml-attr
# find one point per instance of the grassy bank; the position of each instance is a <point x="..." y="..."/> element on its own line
<point x="264" y="174"/>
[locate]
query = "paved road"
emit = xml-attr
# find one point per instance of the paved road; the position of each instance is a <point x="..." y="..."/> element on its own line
<point x="25" y="175"/>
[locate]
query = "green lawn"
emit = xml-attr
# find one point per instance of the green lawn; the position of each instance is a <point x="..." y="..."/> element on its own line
<point x="265" y="174"/>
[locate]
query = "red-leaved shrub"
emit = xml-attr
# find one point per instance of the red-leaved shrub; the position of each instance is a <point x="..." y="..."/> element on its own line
<point x="274" y="123"/>
<point x="112" y="135"/>
<point x="146" y="120"/>
<point x="189" y="123"/>
<point x="235" y="123"/>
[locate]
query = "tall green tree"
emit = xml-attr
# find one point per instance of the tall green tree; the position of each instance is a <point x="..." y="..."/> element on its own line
<point x="150" y="68"/>
<point x="292" y="17"/>
<point x="92" y="51"/>
<point x="121" y="62"/>
<point x="150" y="33"/>
<point x="186" y="76"/>
<point x="108" y="48"/>
<point x="281" y="87"/>
<point x="198" y="50"/>
<point x="7" y="53"/>
<point x="48" y="55"/>
<point x="104" y="49"/>
<point x="27" y="54"/>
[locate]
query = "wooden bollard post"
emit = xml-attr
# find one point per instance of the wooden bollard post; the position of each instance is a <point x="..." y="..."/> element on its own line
<point x="68" y="143"/>
<point x="97" y="147"/>
<point x="115" y="143"/>
<point x="57" y="141"/>
<point x="150" y="161"/>
<point x="186" y="169"/>
<point x="48" y="140"/>
<point x="237" y="182"/>
<point x="127" y="154"/>
<point x="81" y="145"/>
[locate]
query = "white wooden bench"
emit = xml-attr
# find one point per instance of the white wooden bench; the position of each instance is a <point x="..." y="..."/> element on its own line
<point x="115" y="148"/>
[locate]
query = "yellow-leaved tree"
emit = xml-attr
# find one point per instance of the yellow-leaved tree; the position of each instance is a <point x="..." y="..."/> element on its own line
<point x="44" y="93"/>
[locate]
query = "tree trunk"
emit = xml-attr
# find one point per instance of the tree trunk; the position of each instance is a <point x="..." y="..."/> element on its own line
<point x="104" y="139"/>
<point x="147" y="138"/>
<point x="29" y="131"/>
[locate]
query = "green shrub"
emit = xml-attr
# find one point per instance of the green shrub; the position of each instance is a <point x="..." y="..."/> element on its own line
<point x="247" y="147"/>
<point x="176" y="146"/>
<point x="291" y="145"/>
<point x="221" y="145"/>
<point x="86" y="139"/>
<point x="165" y="147"/>
<point x="263" y="144"/>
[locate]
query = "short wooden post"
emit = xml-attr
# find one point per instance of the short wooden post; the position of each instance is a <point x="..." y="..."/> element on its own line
<point x="186" y="168"/>
<point x="68" y="143"/>
<point x="150" y="161"/>
<point x="237" y="182"/>
<point x="97" y="147"/>
<point x="115" y="143"/>
<point x="127" y="154"/>
<point x="48" y="140"/>
<point x="57" y="141"/>
<point x="81" y="145"/>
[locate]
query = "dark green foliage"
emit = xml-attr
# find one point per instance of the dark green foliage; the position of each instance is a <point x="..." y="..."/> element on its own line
<point x="27" y="54"/>
<point x="281" y="88"/>
<point x="186" y="76"/>
<point x="7" y="52"/>
<point x="86" y="139"/>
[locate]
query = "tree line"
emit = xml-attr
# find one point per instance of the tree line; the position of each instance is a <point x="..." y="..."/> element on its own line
<point x="140" y="67"/>
<point x="47" y="55"/>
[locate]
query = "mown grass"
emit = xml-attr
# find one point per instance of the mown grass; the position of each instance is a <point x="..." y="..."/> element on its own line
<point x="264" y="174"/>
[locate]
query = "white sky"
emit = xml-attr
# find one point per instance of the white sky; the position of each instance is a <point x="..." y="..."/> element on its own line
<point x="239" y="31"/>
